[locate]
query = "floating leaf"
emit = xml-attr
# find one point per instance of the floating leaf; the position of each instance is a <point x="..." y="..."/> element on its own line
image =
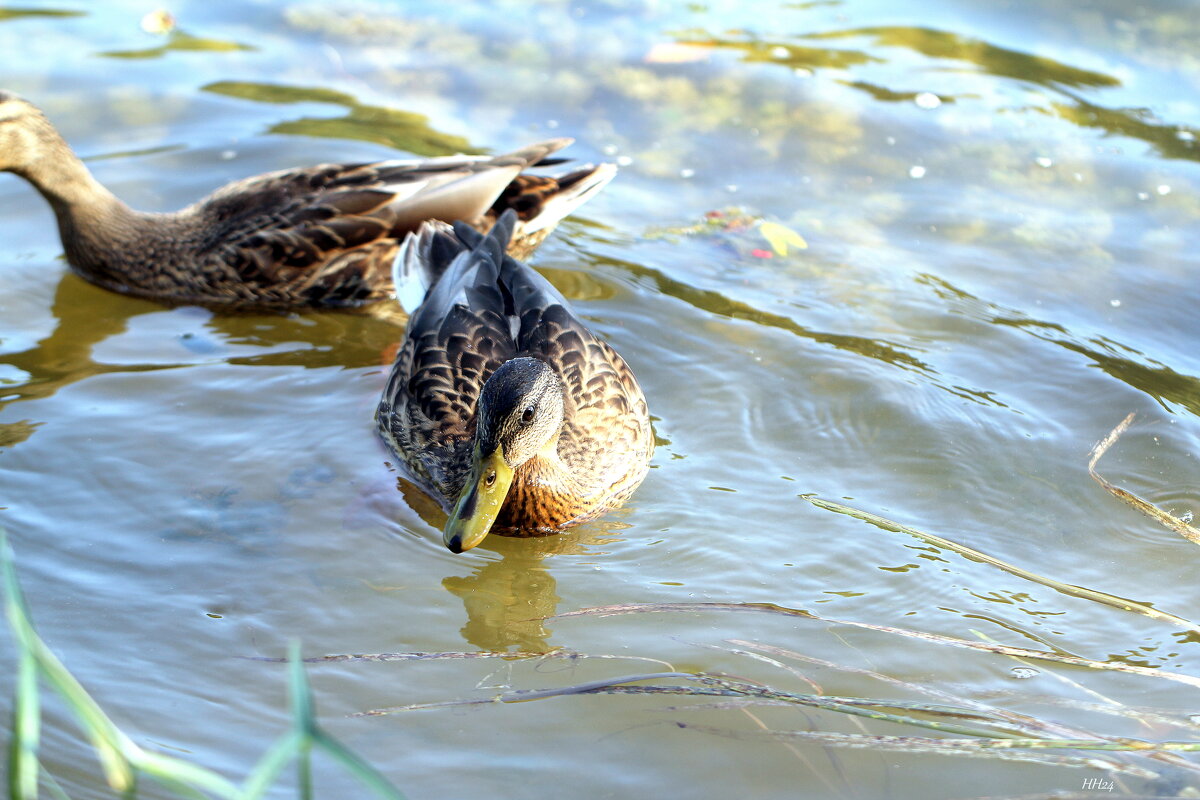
<point x="780" y="236"/>
<point x="717" y="221"/>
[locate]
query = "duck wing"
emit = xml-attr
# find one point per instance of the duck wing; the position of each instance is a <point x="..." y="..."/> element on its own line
<point x="327" y="234"/>
<point x="484" y="308"/>
<point x="460" y="334"/>
<point x="606" y="422"/>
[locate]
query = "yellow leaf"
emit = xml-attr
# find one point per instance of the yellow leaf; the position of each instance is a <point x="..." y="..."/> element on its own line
<point x="780" y="236"/>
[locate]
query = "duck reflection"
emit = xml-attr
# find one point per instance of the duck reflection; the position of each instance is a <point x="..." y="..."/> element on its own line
<point x="506" y="602"/>
<point x="86" y="316"/>
<point x="507" y="599"/>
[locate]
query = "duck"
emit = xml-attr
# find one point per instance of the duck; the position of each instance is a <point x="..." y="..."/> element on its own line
<point x="321" y="236"/>
<point x="501" y="403"/>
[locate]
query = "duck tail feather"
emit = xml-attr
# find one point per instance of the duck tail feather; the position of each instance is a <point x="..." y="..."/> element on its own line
<point x="467" y="235"/>
<point x="574" y="189"/>
<point x="422" y="258"/>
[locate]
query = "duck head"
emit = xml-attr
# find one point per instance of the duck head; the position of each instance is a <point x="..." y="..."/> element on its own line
<point x="520" y="415"/>
<point x="25" y="134"/>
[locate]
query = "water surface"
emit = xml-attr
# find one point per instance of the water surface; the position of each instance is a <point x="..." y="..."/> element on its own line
<point x="999" y="203"/>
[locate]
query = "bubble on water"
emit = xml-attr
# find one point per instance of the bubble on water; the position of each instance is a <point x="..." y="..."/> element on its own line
<point x="916" y="171"/>
<point x="1143" y="195"/>
<point x="779" y="51"/>
<point x="1187" y="517"/>
<point x="624" y="161"/>
<point x="1024" y="673"/>
<point x="927" y="100"/>
<point x="1163" y="189"/>
<point x="1115" y="303"/>
<point x="1043" y="161"/>
<point x="686" y="172"/>
<point x="1185" y="136"/>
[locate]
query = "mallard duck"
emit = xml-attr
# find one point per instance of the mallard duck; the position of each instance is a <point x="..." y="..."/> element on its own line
<point x="502" y="404"/>
<point x="320" y="237"/>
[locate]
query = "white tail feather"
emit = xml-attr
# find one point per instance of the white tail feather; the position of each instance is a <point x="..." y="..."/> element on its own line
<point x="458" y="195"/>
<point x="410" y="269"/>
<point x="561" y="205"/>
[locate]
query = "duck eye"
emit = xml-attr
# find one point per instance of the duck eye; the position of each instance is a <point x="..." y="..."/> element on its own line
<point x="490" y="480"/>
<point x="527" y="415"/>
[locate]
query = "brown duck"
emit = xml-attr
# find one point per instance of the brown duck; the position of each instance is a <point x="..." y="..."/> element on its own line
<point x="504" y="406"/>
<point x="318" y="237"/>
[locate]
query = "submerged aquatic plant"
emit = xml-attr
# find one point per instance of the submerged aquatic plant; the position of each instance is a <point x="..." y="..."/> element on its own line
<point x="1178" y="524"/>
<point x="963" y="726"/>
<point x="733" y="226"/>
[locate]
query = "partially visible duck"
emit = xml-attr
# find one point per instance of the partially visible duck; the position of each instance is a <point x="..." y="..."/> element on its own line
<point x="317" y="237"/>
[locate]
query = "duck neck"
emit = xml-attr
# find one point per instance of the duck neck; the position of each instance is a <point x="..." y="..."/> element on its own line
<point x="547" y="493"/>
<point x="92" y="222"/>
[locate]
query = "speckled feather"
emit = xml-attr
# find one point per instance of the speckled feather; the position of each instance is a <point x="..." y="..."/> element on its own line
<point x="483" y="310"/>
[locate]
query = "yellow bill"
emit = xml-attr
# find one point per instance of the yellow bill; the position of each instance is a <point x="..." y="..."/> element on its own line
<point x="479" y="504"/>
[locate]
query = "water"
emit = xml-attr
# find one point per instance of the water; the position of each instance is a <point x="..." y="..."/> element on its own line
<point x="992" y="281"/>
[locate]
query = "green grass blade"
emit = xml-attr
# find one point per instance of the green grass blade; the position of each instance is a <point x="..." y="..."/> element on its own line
<point x="184" y="778"/>
<point x="301" y="702"/>
<point x="22" y="753"/>
<point x="120" y="758"/>
<point x="267" y="770"/>
<point x="296" y="744"/>
<point x="23" y="747"/>
<point x="304" y="770"/>
<point x="360" y="769"/>
<point x="305" y="721"/>
<point x="99" y="729"/>
<point x="55" y="789"/>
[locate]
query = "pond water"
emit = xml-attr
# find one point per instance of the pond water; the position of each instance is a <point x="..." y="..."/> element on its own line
<point x="999" y="204"/>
